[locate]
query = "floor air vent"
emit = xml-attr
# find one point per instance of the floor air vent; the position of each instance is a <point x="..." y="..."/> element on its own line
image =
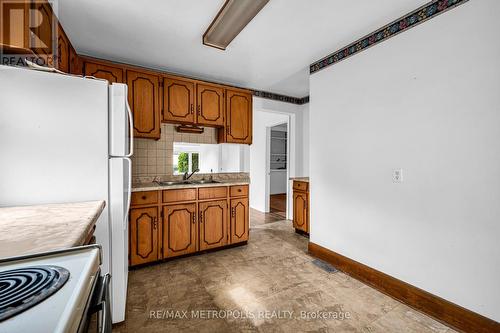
<point x="325" y="266"/>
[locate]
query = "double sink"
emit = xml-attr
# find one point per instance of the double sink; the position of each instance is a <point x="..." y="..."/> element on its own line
<point x="188" y="182"/>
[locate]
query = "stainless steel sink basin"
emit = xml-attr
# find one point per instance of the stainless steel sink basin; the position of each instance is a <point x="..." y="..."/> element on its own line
<point x="173" y="183"/>
<point x="205" y="181"/>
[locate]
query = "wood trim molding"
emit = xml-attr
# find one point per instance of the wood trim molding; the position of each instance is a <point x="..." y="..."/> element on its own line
<point x="444" y="311"/>
<point x="281" y="98"/>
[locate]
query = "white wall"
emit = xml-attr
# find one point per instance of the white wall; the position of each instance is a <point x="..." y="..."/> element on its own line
<point x="426" y="101"/>
<point x="305" y="139"/>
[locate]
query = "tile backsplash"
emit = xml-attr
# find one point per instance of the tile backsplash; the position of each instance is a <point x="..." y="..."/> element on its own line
<point x="155" y="157"/>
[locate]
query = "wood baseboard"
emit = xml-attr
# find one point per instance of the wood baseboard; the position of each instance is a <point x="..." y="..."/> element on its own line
<point x="449" y="313"/>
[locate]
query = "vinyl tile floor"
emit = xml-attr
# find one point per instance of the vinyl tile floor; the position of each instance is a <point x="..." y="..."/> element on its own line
<point x="269" y="285"/>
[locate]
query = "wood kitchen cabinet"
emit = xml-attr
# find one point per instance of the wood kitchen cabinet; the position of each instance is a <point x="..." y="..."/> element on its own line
<point x="103" y="71"/>
<point x="143" y="235"/>
<point x="238" y="117"/>
<point x="191" y="220"/>
<point x="210" y="105"/>
<point x="143" y="93"/>
<point x="178" y="101"/>
<point x="213" y="224"/>
<point x="239" y="220"/>
<point x="63" y="51"/>
<point x="301" y="206"/>
<point x="179" y="230"/>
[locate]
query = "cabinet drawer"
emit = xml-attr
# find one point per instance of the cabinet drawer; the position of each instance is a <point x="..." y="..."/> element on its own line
<point x="188" y="194"/>
<point x="144" y="198"/>
<point x="239" y="191"/>
<point x="301" y="186"/>
<point x="205" y="193"/>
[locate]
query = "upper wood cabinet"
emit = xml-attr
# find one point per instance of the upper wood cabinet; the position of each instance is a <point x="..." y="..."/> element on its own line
<point x="75" y="64"/>
<point x="63" y="51"/>
<point x="102" y="71"/>
<point x="179" y="230"/>
<point x="178" y="101"/>
<point x="213" y="224"/>
<point x="143" y="235"/>
<point x="210" y="105"/>
<point x="239" y="220"/>
<point x="143" y="93"/>
<point x="238" y="117"/>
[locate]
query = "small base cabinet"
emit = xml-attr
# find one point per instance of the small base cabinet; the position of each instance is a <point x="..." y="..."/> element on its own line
<point x="301" y="206"/>
<point x="179" y="230"/>
<point x="170" y="223"/>
<point x="239" y="220"/>
<point x="143" y="235"/>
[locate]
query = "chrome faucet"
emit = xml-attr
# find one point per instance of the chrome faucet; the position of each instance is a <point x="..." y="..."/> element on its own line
<point x="187" y="175"/>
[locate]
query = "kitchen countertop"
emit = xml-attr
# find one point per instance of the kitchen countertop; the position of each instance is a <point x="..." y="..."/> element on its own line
<point x="301" y="179"/>
<point x="155" y="187"/>
<point x="40" y="228"/>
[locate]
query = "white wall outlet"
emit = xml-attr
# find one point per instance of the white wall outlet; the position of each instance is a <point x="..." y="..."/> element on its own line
<point x="397" y="176"/>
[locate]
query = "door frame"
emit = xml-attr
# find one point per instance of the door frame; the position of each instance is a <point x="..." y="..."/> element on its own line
<point x="289" y="214"/>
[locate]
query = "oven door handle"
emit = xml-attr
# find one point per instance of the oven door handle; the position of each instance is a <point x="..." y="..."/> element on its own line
<point x="103" y="305"/>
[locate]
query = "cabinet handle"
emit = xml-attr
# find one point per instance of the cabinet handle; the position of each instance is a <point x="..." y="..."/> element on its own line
<point x="199" y="110"/>
<point x="154" y="222"/>
<point x="233" y="212"/>
<point x="192" y="109"/>
<point x="201" y="217"/>
<point x="143" y="197"/>
<point x="227" y="130"/>
<point x="194" y="218"/>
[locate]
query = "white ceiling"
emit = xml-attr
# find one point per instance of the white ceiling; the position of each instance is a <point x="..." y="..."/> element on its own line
<point x="272" y="53"/>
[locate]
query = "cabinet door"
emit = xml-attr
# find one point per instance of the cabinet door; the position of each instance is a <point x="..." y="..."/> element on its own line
<point x="179" y="230"/>
<point x="213" y="224"/>
<point x="143" y="95"/>
<point x="178" y="101"/>
<point x="143" y="235"/>
<point x="43" y="23"/>
<point x="63" y="47"/>
<point x="239" y="117"/>
<point x="100" y="71"/>
<point x="300" y="211"/>
<point x="239" y="220"/>
<point x="210" y="105"/>
<point x="75" y="64"/>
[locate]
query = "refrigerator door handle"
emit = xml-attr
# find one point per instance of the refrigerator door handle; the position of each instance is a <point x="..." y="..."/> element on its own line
<point x="131" y="131"/>
<point x="129" y="190"/>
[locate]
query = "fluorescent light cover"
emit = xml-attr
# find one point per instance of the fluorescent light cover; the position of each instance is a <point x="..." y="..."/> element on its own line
<point x="230" y="21"/>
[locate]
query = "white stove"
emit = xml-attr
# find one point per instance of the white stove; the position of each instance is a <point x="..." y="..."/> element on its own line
<point x="56" y="291"/>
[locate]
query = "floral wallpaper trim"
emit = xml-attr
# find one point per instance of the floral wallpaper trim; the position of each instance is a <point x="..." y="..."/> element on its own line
<point x="410" y="20"/>
<point x="281" y="98"/>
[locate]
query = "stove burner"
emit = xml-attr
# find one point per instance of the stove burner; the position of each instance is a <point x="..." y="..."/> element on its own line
<point x="22" y="288"/>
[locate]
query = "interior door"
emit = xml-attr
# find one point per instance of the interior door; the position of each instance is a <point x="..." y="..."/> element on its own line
<point x="300" y="211"/>
<point x="178" y="101"/>
<point x="143" y="235"/>
<point x="210" y="105"/>
<point x="213" y="224"/>
<point x="239" y="220"/>
<point x="179" y="230"/>
<point x="239" y="117"/>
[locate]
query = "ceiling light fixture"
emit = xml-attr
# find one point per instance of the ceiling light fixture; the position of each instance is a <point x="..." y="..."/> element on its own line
<point x="230" y="21"/>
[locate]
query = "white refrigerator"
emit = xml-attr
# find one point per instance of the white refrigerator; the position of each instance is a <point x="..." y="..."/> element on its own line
<point x="68" y="139"/>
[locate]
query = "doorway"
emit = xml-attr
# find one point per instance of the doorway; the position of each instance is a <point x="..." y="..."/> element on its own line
<point x="278" y="169"/>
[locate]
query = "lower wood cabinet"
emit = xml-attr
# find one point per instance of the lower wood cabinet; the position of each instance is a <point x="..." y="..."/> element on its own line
<point x="301" y="206"/>
<point x="143" y="235"/>
<point x="170" y="223"/>
<point x="213" y="224"/>
<point x="179" y="230"/>
<point x="239" y="220"/>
